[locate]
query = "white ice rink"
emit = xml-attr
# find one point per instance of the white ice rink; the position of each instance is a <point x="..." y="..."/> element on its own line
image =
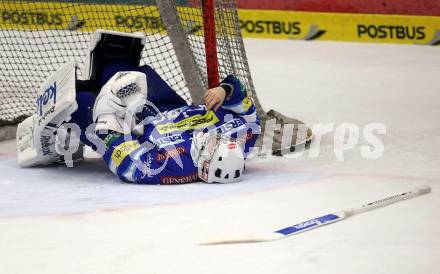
<point x="84" y="221"/>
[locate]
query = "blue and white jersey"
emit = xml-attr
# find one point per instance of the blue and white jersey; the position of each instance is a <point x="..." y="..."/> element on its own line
<point x="162" y="154"/>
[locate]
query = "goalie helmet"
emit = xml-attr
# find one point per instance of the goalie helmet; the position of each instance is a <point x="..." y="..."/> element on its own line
<point x="219" y="158"/>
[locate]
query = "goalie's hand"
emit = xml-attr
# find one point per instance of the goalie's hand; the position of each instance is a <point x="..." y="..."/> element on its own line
<point x="214" y="98"/>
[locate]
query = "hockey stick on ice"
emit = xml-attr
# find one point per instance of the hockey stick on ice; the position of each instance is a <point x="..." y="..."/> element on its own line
<point x="320" y="221"/>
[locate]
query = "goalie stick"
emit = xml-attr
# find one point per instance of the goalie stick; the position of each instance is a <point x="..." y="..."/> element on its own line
<point x="320" y="221"/>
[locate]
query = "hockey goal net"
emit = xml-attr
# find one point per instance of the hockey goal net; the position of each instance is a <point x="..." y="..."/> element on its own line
<point x="37" y="37"/>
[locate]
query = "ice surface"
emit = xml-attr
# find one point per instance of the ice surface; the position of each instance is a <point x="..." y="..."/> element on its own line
<point x="83" y="220"/>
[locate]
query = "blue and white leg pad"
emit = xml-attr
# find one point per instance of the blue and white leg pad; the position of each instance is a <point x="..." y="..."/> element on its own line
<point x="38" y="141"/>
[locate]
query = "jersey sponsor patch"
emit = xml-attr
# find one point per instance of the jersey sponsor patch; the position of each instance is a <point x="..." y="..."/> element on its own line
<point x="193" y="122"/>
<point x="110" y="138"/>
<point x="170" y="153"/>
<point x="170" y="180"/>
<point x="123" y="150"/>
<point x="229" y="126"/>
<point x="232" y="146"/>
<point x="168" y="140"/>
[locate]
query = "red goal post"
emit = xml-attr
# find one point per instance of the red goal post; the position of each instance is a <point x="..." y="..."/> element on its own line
<point x="210" y="42"/>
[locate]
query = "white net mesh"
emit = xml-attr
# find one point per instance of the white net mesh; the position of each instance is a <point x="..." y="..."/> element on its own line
<point x="37" y="37"/>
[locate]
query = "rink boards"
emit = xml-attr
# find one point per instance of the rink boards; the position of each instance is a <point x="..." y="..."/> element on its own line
<point x="271" y="24"/>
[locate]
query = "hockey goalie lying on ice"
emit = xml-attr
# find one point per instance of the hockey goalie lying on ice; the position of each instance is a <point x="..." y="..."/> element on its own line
<point x="144" y="131"/>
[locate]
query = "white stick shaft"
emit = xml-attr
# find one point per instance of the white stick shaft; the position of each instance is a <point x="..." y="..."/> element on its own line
<point x="388" y="201"/>
<point x="320" y="221"/>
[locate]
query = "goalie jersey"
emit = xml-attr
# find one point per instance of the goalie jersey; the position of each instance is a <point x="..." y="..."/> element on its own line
<point x="162" y="154"/>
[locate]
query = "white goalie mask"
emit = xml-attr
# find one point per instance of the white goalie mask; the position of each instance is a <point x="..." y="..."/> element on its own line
<point x="219" y="158"/>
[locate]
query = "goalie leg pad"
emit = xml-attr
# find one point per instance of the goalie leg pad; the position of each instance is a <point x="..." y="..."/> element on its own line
<point x="36" y="136"/>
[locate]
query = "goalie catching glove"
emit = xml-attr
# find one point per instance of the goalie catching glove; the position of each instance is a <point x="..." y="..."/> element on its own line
<point x="118" y="101"/>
